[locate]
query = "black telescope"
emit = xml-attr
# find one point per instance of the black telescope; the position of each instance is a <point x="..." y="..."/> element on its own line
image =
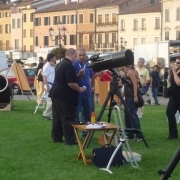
<point x="114" y="60"/>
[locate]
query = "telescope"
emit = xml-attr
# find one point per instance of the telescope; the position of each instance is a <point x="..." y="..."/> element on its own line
<point x="118" y="59"/>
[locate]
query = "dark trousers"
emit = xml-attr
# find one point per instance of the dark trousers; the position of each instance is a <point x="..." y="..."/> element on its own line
<point x="63" y="115"/>
<point x="173" y="106"/>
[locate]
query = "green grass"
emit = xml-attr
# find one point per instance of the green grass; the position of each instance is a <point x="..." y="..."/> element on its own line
<point x="27" y="151"/>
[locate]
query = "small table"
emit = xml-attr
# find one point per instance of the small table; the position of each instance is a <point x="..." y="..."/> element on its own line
<point x="90" y="132"/>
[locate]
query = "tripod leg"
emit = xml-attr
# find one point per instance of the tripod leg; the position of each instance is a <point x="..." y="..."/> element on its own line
<point x="104" y="106"/>
<point x="110" y="108"/>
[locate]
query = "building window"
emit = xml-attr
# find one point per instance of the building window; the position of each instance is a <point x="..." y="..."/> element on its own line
<point x="65" y="19"/>
<point x="24" y="48"/>
<point x="56" y="20"/>
<point x="73" y="19"/>
<point x="13" y="24"/>
<point x="7" y="44"/>
<point x="80" y="39"/>
<point x="65" y="39"/>
<point x="113" y="37"/>
<point x="18" y="23"/>
<point x="7" y="14"/>
<point x="16" y="43"/>
<point x="177" y="35"/>
<point x="31" y="32"/>
<point x="46" y="40"/>
<point x="91" y="17"/>
<point x="31" y="17"/>
<point x="106" y="37"/>
<point x="166" y="15"/>
<point x="24" y="17"/>
<point x="178" y="14"/>
<point x="1" y="29"/>
<point x="80" y="18"/>
<point x="135" y="41"/>
<point x="46" y="21"/>
<point x="167" y="35"/>
<point x="106" y="19"/>
<point x="24" y="33"/>
<point x="99" y="38"/>
<point x="1" y="15"/>
<point x="72" y="39"/>
<point x="156" y="39"/>
<point x="91" y="39"/>
<point x="37" y="41"/>
<point x="143" y="25"/>
<point x="56" y="40"/>
<point x="37" y="22"/>
<point x="157" y="23"/>
<point x="100" y="19"/>
<point x="7" y="28"/>
<point x="143" y="40"/>
<point x="122" y="25"/>
<point x="114" y="18"/>
<point x="135" y="24"/>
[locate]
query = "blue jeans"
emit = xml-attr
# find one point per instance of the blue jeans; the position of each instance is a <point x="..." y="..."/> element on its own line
<point x="84" y="108"/>
<point x="132" y="123"/>
<point x="155" y="92"/>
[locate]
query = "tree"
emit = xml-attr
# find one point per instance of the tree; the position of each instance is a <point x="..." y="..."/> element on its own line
<point x="58" y="51"/>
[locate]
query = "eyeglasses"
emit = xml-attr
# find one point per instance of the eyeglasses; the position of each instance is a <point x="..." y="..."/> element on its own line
<point x="177" y="62"/>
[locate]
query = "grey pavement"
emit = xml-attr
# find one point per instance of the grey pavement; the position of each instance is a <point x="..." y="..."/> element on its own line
<point x="27" y="97"/>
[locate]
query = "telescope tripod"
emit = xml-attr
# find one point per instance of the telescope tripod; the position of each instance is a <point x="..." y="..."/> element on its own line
<point x="115" y="90"/>
<point x="171" y="166"/>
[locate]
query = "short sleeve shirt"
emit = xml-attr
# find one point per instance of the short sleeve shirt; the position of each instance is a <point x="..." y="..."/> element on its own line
<point x="143" y="75"/>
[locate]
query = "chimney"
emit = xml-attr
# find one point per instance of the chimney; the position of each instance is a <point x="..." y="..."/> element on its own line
<point x="66" y="1"/>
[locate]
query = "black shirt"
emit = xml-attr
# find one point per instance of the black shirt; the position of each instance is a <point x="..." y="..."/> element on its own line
<point x="64" y="74"/>
<point x="175" y="90"/>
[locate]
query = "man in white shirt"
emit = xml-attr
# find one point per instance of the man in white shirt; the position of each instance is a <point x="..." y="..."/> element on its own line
<point x="48" y="78"/>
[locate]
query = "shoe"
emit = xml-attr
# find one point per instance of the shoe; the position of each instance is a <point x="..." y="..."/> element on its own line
<point x="58" y="141"/>
<point x="157" y="104"/>
<point x="171" y="137"/>
<point x="71" y="143"/>
<point x="138" y="139"/>
<point x="48" y="118"/>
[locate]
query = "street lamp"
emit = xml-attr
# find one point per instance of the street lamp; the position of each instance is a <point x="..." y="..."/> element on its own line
<point x="123" y="44"/>
<point x="60" y="36"/>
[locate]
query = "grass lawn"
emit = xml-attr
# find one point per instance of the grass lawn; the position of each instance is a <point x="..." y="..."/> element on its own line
<point x="27" y="151"/>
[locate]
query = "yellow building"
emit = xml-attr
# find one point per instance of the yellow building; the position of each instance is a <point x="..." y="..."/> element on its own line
<point x="5" y="27"/>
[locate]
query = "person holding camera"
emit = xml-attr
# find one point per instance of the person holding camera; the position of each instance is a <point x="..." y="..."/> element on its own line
<point x="174" y="101"/>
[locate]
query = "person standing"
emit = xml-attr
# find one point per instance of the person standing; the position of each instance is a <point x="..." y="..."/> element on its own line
<point x="130" y="94"/>
<point x="85" y="76"/>
<point x="174" y="100"/>
<point x="64" y="94"/>
<point x="154" y="83"/>
<point x="48" y="79"/>
<point x="144" y="80"/>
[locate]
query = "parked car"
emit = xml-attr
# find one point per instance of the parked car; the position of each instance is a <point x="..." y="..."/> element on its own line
<point x="29" y="72"/>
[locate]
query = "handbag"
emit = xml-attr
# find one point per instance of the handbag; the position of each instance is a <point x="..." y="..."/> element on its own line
<point x="102" y="155"/>
<point x="142" y="91"/>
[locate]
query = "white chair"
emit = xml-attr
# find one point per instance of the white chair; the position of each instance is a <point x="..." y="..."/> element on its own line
<point x="42" y="102"/>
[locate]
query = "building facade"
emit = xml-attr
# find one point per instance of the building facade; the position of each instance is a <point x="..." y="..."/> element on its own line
<point x="140" y="26"/>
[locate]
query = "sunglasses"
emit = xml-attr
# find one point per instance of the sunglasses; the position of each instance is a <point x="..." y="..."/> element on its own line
<point x="177" y="62"/>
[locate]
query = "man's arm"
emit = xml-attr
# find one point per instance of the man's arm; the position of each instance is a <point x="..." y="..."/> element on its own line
<point x="151" y="81"/>
<point x="46" y="83"/>
<point x="76" y="87"/>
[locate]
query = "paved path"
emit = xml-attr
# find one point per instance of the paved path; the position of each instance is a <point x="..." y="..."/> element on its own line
<point x="162" y="100"/>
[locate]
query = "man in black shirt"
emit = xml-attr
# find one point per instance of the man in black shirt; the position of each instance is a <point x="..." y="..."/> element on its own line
<point x="64" y="94"/>
<point x="174" y="101"/>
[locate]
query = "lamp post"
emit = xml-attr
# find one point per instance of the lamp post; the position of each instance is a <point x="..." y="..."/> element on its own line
<point x="123" y="44"/>
<point x="60" y="36"/>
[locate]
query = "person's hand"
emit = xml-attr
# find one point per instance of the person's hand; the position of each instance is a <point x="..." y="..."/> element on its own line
<point x="92" y="89"/>
<point x="48" y="89"/>
<point x="150" y="86"/>
<point x="82" y="89"/>
<point x="178" y="71"/>
<point x="169" y="71"/>
<point x="81" y="73"/>
<point x="173" y="67"/>
<point x="135" y="99"/>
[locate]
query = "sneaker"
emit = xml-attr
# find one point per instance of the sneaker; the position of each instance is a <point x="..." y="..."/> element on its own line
<point x="138" y="139"/>
<point x="157" y="104"/>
